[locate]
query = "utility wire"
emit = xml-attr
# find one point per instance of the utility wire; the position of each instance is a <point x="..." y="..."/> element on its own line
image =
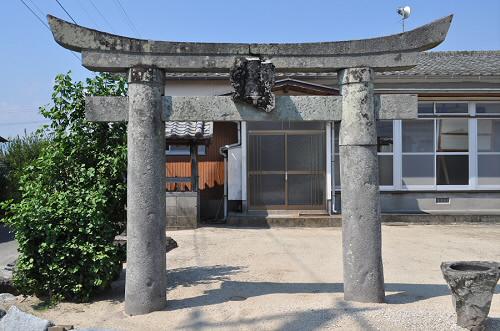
<point x="45" y="25"/>
<point x="37" y="8"/>
<point x="38" y="17"/>
<point x="128" y="20"/>
<point x="87" y="13"/>
<point x="102" y="16"/>
<point x="60" y="5"/>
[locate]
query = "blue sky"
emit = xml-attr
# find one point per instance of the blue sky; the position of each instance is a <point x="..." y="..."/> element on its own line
<point x="31" y="59"/>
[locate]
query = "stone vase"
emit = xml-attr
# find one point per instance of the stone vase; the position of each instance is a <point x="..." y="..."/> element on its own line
<point x="472" y="284"/>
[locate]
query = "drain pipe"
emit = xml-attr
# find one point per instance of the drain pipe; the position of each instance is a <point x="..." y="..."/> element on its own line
<point x="224" y="150"/>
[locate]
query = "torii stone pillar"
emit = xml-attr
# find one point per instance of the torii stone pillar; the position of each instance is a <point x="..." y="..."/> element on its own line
<point x="145" y="284"/>
<point x="361" y="229"/>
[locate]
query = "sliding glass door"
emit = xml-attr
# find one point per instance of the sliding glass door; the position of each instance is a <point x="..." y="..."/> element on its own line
<point x="286" y="166"/>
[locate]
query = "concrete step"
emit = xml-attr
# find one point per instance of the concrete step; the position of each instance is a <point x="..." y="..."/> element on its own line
<point x="249" y="220"/>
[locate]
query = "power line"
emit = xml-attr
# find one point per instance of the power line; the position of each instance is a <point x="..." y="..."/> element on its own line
<point x="45" y="25"/>
<point x="60" y="5"/>
<point x="37" y="8"/>
<point x="87" y="13"/>
<point x="38" y="17"/>
<point x="128" y="20"/>
<point x="102" y="16"/>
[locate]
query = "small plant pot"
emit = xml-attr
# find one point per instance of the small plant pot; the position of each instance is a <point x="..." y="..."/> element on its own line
<point x="472" y="284"/>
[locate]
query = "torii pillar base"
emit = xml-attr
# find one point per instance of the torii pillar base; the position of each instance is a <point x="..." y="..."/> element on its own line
<point x="361" y="228"/>
<point x="145" y="284"/>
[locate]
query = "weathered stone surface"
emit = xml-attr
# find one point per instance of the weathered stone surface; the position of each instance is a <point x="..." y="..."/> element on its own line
<point x="117" y="62"/>
<point x="223" y="108"/>
<point x="361" y="227"/>
<point x="170" y="242"/>
<point x="16" y="319"/>
<point x="107" y="52"/>
<point x="2" y="313"/>
<point x="7" y="297"/>
<point x="253" y="80"/>
<point x="145" y="284"/>
<point x="472" y="284"/>
<point x="106" y="109"/>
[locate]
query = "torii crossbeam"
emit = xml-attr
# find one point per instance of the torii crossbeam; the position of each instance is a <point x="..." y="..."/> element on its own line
<point x="146" y="110"/>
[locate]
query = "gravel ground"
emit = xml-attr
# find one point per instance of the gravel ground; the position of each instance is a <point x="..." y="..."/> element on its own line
<point x="291" y="279"/>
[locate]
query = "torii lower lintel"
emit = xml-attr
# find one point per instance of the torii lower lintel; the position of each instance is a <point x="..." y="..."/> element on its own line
<point x="223" y="108"/>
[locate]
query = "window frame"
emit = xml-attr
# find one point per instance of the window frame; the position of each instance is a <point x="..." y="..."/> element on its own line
<point x="202" y="150"/>
<point x="473" y="153"/>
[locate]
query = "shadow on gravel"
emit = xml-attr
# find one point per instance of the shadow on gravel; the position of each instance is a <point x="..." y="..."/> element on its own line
<point x="492" y="324"/>
<point x="236" y="290"/>
<point x="185" y="277"/>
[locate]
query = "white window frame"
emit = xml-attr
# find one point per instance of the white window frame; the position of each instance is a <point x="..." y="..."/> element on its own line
<point x="202" y="150"/>
<point x="476" y="163"/>
<point x="473" y="153"/>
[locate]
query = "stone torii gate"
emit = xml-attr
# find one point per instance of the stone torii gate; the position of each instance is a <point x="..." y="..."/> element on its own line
<point x="146" y="109"/>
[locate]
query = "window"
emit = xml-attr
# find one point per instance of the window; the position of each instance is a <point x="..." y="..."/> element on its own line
<point x="385" y="150"/>
<point x="418" y="152"/>
<point x="184" y="150"/>
<point x="452" y="157"/>
<point x="488" y="108"/>
<point x="488" y="151"/>
<point x="452" y="108"/>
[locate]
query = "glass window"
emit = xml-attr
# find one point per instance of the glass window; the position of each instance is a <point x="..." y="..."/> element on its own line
<point x="488" y="169"/>
<point x="452" y="169"/>
<point x="426" y="108"/>
<point x="418" y="169"/>
<point x="488" y="135"/>
<point x="267" y="152"/>
<point x="418" y="136"/>
<point x="184" y="150"/>
<point x="452" y="135"/>
<point x="385" y="170"/>
<point x="452" y="108"/>
<point x="306" y="189"/>
<point x="487" y="108"/>
<point x="384" y="136"/>
<point x="267" y="189"/>
<point x="306" y="152"/>
<point x="488" y="159"/>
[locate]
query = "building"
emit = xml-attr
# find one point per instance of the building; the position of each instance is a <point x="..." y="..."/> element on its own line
<point x="446" y="162"/>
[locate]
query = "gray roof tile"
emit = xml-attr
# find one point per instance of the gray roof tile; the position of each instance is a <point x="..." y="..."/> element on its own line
<point x="188" y="131"/>
<point x="449" y="63"/>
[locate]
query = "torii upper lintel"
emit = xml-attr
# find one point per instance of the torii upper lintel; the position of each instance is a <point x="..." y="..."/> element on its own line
<point x="103" y="51"/>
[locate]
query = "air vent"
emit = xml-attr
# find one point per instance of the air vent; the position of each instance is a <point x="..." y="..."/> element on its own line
<point x="442" y="200"/>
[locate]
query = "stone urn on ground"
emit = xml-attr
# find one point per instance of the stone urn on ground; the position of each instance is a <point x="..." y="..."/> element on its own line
<point x="472" y="285"/>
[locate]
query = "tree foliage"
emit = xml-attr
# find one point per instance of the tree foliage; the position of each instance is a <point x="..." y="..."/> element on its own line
<point x="18" y="153"/>
<point x="72" y="198"/>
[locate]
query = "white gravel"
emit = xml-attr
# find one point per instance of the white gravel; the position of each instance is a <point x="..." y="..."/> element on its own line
<point x="291" y="279"/>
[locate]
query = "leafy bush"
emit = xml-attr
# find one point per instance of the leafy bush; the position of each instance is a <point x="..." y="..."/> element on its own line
<point x="14" y="157"/>
<point x="72" y="199"/>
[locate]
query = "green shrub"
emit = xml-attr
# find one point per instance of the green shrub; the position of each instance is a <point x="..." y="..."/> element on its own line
<point x="72" y="199"/>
